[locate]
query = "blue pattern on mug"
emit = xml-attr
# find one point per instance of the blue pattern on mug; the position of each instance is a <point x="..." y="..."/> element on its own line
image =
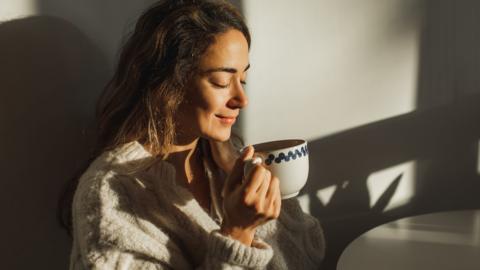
<point x="303" y="151"/>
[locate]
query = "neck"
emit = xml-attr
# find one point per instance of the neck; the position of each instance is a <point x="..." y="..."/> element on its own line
<point x="184" y="157"/>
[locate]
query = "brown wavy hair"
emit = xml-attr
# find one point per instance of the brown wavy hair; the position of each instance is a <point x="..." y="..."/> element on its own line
<point x="158" y="59"/>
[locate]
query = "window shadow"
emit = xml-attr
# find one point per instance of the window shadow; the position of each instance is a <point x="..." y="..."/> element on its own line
<point x="351" y="156"/>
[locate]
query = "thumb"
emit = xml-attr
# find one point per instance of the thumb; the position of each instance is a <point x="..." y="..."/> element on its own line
<point x="236" y="174"/>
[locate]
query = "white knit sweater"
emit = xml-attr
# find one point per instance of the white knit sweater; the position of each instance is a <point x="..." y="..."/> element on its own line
<point x="144" y="220"/>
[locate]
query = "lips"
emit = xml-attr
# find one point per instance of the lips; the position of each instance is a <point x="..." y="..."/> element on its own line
<point x="224" y="116"/>
<point x="226" y="119"/>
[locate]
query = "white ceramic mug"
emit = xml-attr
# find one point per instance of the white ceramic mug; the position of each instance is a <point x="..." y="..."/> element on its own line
<point x="287" y="160"/>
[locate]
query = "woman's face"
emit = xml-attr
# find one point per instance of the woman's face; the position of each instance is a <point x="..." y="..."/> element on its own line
<point x="215" y="94"/>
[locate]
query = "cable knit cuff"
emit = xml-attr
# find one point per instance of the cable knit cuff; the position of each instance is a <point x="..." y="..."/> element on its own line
<point x="234" y="252"/>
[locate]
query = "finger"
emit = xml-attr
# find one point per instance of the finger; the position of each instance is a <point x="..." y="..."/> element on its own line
<point x="260" y="196"/>
<point x="275" y="198"/>
<point x="271" y="196"/>
<point x="255" y="179"/>
<point x="272" y="189"/>
<point x="277" y="202"/>
<point x="236" y="174"/>
<point x="263" y="189"/>
<point x="250" y="165"/>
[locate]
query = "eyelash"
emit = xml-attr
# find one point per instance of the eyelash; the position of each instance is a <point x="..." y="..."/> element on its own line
<point x="219" y="85"/>
<point x="225" y="86"/>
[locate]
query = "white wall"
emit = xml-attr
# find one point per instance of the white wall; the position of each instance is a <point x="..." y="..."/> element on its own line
<point x="385" y="91"/>
<point x="17" y="9"/>
<point x="322" y="67"/>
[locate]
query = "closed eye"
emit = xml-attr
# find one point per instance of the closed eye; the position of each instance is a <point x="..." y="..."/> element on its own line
<point x="218" y="85"/>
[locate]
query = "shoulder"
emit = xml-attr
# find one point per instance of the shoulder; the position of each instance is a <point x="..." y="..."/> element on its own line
<point x="97" y="188"/>
<point x="103" y="207"/>
<point x="110" y="216"/>
<point x="110" y="212"/>
<point x="103" y="174"/>
<point x="112" y="180"/>
<point x="99" y="201"/>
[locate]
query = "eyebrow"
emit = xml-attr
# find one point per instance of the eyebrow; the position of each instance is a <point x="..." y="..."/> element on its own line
<point x="225" y="69"/>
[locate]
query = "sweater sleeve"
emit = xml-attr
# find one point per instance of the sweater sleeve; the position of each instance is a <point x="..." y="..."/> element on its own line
<point x="110" y="234"/>
<point x="296" y="237"/>
<point x="227" y="253"/>
<point x="308" y="228"/>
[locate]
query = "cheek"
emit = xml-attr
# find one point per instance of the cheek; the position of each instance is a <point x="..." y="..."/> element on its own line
<point x="211" y="104"/>
<point x="205" y="103"/>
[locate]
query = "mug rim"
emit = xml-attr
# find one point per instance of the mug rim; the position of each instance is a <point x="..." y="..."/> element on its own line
<point x="277" y="145"/>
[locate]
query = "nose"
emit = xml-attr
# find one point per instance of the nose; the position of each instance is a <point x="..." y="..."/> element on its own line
<point x="239" y="98"/>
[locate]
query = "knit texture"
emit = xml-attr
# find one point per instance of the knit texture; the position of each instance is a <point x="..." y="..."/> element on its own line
<point x="127" y="219"/>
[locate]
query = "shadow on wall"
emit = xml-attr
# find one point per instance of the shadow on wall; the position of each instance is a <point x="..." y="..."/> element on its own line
<point x="50" y="76"/>
<point x="441" y="136"/>
<point x="447" y="133"/>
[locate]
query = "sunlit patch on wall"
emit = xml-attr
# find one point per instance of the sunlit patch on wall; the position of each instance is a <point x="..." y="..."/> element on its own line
<point x="304" y="201"/>
<point x="392" y="187"/>
<point x="325" y="194"/>
<point x="10" y="10"/>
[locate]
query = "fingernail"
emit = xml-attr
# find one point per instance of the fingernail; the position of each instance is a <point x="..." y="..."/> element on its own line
<point x="257" y="160"/>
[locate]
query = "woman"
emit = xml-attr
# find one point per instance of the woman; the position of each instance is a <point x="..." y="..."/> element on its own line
<point x="167" y="190"/>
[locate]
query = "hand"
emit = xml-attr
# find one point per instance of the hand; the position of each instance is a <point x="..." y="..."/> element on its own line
<point x="249" y="201"/>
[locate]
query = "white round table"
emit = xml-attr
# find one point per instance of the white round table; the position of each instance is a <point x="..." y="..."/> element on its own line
<point x="446" y="240"/>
